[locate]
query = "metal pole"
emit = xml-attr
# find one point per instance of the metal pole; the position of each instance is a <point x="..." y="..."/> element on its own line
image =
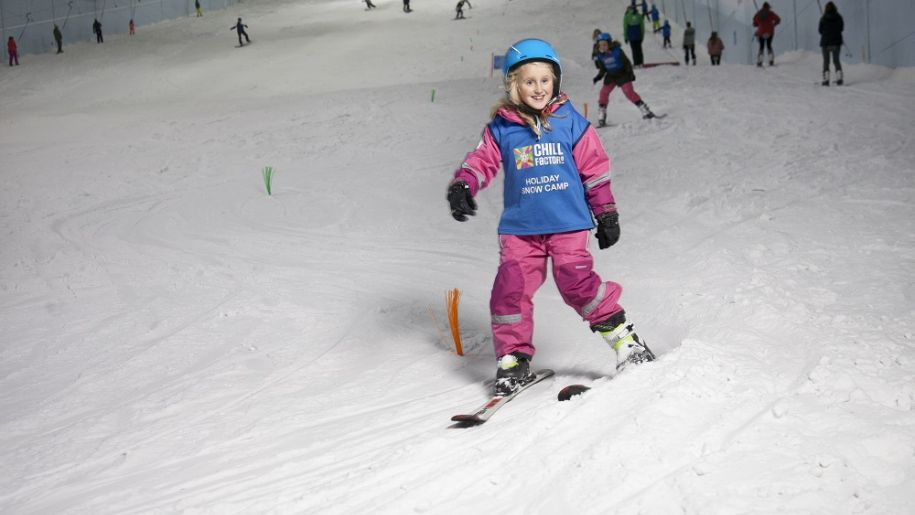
<point x="795" y="24"/>
<point x="867" y="28"/>
<point x="3" y="25"/>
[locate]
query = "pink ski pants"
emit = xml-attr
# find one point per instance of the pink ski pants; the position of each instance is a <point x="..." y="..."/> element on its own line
<point x="604" y="96"/>
<point x="522" y="270"/>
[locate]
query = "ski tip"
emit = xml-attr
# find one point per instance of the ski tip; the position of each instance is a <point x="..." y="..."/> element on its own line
<point x="470" y="420"/>
<point x="571" y="391"/>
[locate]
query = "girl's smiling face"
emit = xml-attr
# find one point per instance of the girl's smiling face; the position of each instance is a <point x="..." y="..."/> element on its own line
<point x="535" y="84"/>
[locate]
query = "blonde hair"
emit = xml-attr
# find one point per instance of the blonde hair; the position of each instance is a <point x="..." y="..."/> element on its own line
<point x="537" y="121"/>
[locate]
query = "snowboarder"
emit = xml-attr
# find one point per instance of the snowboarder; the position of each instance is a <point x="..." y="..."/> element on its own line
<point x="12" y="50"/>
<point x="547" y="212"/>
<point x="616" y="70"/>
<point x="715" y="48"/>
<point x="459" y="15"/>
<point x="131" y="28"/>
<point x="198" y="8"/>
<point x="665" y="32"/>
<point x="655" y="18"/>
<point x="689" y="43"/>
<point x="831" y="27"/>
<point x="765" y="21"/>
<point x="369" y="5"/>
<point x="634" y="33"/>
<point x="240" y="28"/>
<point x="59" y="39"/>
<point x="97" y="30"/>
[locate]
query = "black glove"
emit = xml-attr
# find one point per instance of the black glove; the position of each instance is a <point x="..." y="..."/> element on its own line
<point x="595" y="80"/>
<point x="608" y="230"/>
<point x="461" y="201"/>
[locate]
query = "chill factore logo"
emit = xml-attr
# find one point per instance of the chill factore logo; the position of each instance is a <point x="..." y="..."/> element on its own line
<point x="539" y="154"/>
<point x="524" y="157"/>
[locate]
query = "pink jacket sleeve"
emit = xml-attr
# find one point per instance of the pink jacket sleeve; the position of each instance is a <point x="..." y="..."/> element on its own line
<point x="594" y="168"/>
<point x="480" y="166"/>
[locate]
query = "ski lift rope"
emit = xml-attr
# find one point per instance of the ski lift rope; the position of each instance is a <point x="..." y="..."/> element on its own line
<point x="67" y="18"/>
<point x="28" y="20"/>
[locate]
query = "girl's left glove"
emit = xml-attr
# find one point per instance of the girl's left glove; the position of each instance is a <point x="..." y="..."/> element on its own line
<point x="608" y="229"/>
<point x="461" y="201"/>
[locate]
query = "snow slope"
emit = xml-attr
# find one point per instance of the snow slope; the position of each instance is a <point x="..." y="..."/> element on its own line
<point x="176" y="341"/>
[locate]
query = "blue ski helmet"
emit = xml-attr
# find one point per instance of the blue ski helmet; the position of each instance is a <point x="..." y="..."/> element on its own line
<point x="604" y="36"/>
<point x="528" y="50"/>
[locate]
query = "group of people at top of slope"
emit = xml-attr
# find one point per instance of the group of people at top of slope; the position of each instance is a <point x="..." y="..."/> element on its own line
<point x="831" y="26"/>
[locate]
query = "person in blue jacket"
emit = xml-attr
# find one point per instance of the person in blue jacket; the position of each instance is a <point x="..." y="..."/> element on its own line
<point x="556" y="183"/>
<point x="665" y="31"/>
<point x="240" y="28"/>
<point x="831" y="27"/>
<point x="655" y="18"/>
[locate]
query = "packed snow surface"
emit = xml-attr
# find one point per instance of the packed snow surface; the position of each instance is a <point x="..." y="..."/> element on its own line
<point x="175" y="340"/>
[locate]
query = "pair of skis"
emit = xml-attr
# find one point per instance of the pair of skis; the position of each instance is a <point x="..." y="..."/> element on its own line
<point x="484" y="412"/>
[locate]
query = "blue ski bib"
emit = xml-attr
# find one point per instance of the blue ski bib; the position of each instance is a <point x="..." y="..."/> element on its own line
<point x="543" y="192"/>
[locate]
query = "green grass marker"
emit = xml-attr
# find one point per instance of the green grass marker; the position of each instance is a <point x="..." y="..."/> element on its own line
<point x="268" y="179"/>
<point x="433" y="94"/>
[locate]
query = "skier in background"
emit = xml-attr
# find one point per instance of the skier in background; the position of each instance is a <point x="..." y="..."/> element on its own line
<point x="369" y="5"/>
<point x="97" y="29"/>
<point x="12" y="50"/>
<point x="765" y="21"/>
<point x="406" y="6"/>
<point x="131" y="28"/>
<point x="655" y="18"/>
<point x="831" y="27"/>
<point x="198" y="8"/>
<point x="665" y="32"/>
<point x="715" y="48"/>
<point x="634" y="33"/>
<point x="459" y="15"/>
<point x="548" y="221"/>
<point x="240" y="28"/>
<point x="59" y="39"/>
<point x="616" y="70"/>
<point x="689" y="43"/>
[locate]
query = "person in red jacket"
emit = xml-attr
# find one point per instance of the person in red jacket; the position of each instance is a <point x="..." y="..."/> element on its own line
<point x="12" y="50"/>
<point x="765" y="21"/>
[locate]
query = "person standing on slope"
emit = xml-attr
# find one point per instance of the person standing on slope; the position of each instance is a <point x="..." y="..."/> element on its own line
<point x="557" y="176"/>
<point x="12" y="50"/>
<point x="634" y="33"/>
<point x="765" y="21"/>
<point x="831" y="27"/>
<point x="59" y="39"/>
<point x="689" y="43"/>
<point x="715" y="48"/>
<point x="97" y="30"/>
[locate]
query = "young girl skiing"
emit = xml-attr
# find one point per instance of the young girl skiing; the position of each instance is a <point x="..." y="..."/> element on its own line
<point x="557" y="176"/>
<point x="616" y="70"/>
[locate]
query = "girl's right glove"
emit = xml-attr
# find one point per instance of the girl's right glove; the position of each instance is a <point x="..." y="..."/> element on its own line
<point x="608" y="229"/>
<point x="461" y="201"/>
